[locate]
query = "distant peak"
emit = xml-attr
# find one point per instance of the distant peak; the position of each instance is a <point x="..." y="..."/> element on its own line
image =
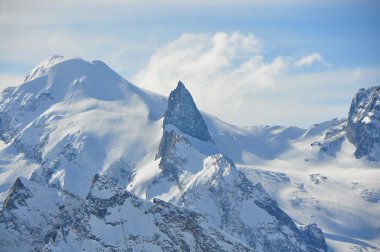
<point x="184" y="114"/>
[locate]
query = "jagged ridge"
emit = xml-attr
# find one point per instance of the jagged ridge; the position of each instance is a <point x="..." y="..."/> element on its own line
<point x="108" y="219"/>
<point x="363" y="126"/>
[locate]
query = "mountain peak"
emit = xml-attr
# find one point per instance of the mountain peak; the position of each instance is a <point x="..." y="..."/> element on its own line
<point x="180" y="85"/>
<point x="184" y="115"/>
<point x="64" y="77"/>
<point x="47" y="64"/>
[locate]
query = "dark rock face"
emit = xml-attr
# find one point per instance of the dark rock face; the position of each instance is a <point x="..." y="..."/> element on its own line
<point x="363" y="126"/>
<point x="170" y="163"/>
<point x="183" y="114"/>
<point x="314" y="236"/>
<point x="18" y="194"/>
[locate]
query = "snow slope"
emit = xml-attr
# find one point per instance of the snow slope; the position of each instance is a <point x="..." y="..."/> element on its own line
<point x="340" y="194"/>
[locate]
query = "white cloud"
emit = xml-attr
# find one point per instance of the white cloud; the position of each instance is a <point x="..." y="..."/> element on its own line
<point x="312" y="59"/>
<point x="228" y="67"/>
<point x="229" y="77"/>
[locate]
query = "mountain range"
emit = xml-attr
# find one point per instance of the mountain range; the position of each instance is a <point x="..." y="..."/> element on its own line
<point x="89" y="161"/>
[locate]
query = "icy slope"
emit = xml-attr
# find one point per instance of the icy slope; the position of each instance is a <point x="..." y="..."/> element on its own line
<point x="319" y="180"/>
<point x="341" y="195"/>
<point x="319" y="176"/>
<point x="315" y="174"/>
<point x="251" y="143"/>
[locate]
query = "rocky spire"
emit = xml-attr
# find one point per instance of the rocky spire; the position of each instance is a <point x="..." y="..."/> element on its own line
<point x="184" y="115"/>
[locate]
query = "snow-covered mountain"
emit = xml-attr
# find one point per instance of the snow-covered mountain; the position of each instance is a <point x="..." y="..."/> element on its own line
<point x="98" y="156"/>
<point x="196" y="175"/>
<point x="75" y="119"/>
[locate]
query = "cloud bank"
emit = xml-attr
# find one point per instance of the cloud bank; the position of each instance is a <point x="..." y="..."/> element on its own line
<point x="228" y="67"/>
<point x="231" y="76"/>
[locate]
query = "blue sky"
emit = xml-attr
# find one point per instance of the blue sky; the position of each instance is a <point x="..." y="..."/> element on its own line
<point x="265" y="62"/>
